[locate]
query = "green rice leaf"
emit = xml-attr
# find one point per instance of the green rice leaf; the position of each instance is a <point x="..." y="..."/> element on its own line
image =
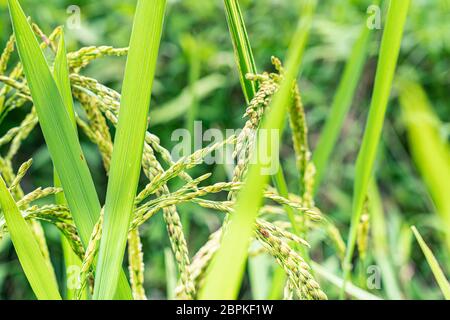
<point x="225" y="273"/>
<point x="389" y="51"/>
<point x="61" y="76"/>
<point x="33" y="263"/>
<point x="430" y="150"/>
<point x="242" y="48"/>
<point x="128" y="143"/>
<point x="59" y="133"/>
<point x="434" y="265"/>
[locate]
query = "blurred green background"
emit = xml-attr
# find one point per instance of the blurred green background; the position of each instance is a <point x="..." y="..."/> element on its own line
<point x="196" y="46"/>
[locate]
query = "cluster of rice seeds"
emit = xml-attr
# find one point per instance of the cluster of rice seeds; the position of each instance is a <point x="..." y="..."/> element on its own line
<point x="254" y="112"/>
<point x="83" y="57"/>
<point x="4" y="59"/>
<point x="299" y="127"/>
<point x="86" y="271"/>
<point x="189" y="193"/>
<point x="202" y="259"/>
<point x="297" y="270"/>
<point x="300" y="281"/>
<point x="184" y="163"/>
<point x="6" y="54"/>
<point x="336" y="239"/>
<point x="136" y="265"/>
<point x="96" y="129"/>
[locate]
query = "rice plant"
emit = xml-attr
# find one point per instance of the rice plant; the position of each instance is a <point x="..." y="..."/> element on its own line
<point x="273" y="222"/>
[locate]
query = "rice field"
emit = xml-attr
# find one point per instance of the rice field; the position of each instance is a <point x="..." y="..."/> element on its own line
<point x="269" y="150"/>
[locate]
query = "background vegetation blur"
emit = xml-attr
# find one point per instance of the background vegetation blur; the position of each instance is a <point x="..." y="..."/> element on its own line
<point x="197" y="79"/>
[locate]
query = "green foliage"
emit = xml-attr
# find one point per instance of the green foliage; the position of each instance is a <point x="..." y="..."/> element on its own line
<point x="61" y="75"/>
<point x="434" y="265"/>
<point x="129" y="142"/>
<point x="36" y="269"/>
<point x="242" y="47"/>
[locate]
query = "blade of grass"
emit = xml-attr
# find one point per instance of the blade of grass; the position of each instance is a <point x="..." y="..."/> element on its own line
<point x="129" y="143"/>
<point x="59" y="133"/>
<point x="61" y="76"/>
<point x="430" y="151"/>
<point x="434" y="265"/>
<point x="389" y="51"/>
<point x="341" y="104"/>
<point x="242" y="49"/>
<point x="33" y="263"/>
<point x="225" y="273"/>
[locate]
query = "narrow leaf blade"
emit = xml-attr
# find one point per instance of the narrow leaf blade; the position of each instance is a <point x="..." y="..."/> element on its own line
<point x="241" y="46"/>
<point x="128" y="143"/>
<point x="33" y="263"/>
<point x="434" y="265"/>
<point x="61" y="76"/>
